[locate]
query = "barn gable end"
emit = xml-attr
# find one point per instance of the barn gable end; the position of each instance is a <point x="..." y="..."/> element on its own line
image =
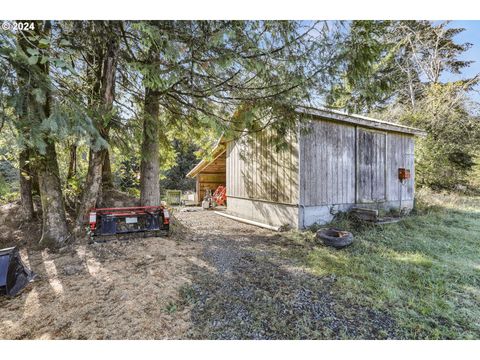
<point x="347" y="165"/>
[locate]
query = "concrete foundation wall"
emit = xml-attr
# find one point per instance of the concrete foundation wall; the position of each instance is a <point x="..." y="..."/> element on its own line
<point x="310" y="215"/>
<point x="275" y="214"/>
<point x="265" y="212"/>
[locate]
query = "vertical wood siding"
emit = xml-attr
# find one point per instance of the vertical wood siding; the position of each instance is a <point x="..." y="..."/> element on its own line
<point x="400" y="154"/>
<point x="348" y="164"/>
<point x="332" y="163"/>
<point x="327" y="171"/>
<point x="256" y="170"/>
<point x="371" y="165"/>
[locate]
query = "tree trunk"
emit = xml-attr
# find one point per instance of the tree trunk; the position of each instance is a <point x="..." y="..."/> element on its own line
<point x="26" y="184"/>
<point x="107" y="177"/>
<point x="92" y="186"/>
<point x="107" y="180"/>
<point x="410" y="87"/>
<point x="35" y="183"/>
<point x="108" y="93"/>
<point x="150" y="164"/>
<point x="54" y="222"/>
<point x="28" y="180"/>
<point x="72" y="165"/>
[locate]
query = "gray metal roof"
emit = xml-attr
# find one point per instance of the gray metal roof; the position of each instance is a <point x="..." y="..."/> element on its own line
<point x="365" y="121"/>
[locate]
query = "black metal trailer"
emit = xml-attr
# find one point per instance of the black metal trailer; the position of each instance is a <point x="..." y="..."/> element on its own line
<point x="128" y="220"/>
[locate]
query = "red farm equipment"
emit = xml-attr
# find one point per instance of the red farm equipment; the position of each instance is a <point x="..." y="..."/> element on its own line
<point x="220" y="195"/>
<point x="127" y="220"/>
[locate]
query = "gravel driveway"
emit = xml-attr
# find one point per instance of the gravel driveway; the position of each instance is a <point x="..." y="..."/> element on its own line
<point x="245" y="287"/>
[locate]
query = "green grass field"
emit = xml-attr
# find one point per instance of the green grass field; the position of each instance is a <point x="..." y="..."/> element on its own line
<point x="424" y="271"/>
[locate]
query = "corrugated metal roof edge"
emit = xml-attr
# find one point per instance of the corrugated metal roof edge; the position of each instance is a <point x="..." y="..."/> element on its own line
<point x="336" y="115"/>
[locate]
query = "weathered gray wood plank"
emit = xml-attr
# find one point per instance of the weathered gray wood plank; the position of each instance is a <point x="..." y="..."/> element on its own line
<point x="371" y="163"/>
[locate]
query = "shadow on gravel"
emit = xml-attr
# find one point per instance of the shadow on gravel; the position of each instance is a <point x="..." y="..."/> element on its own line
<point x="250" y="292"/>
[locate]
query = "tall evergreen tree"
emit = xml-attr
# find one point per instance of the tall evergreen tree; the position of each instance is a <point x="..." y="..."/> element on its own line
<point x="203" y="71"/>
<point x="34" y="108"/>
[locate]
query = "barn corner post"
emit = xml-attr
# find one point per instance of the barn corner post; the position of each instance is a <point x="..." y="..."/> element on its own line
<point x="300" y="177"/>
<point x="386" y="167"/>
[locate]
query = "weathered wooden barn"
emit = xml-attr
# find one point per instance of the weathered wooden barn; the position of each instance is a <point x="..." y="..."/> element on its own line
<point x="335" y="161"/>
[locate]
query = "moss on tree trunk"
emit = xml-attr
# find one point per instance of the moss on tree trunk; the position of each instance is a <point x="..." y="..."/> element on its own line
<point x="92" y="186"/>
<point x="54" y="222"/>
<point x="150" y="165"/>
<point x="26" y="184"/>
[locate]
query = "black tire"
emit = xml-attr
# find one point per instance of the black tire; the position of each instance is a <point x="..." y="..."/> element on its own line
<point x="330" y="237"/>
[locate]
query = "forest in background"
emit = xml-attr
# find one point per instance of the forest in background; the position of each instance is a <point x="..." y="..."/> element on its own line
<point x="90" y="106"/>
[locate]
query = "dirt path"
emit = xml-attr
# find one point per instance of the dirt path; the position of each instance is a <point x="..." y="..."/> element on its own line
<point x="231" y="282"/>
<point x="115" y="290"/>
